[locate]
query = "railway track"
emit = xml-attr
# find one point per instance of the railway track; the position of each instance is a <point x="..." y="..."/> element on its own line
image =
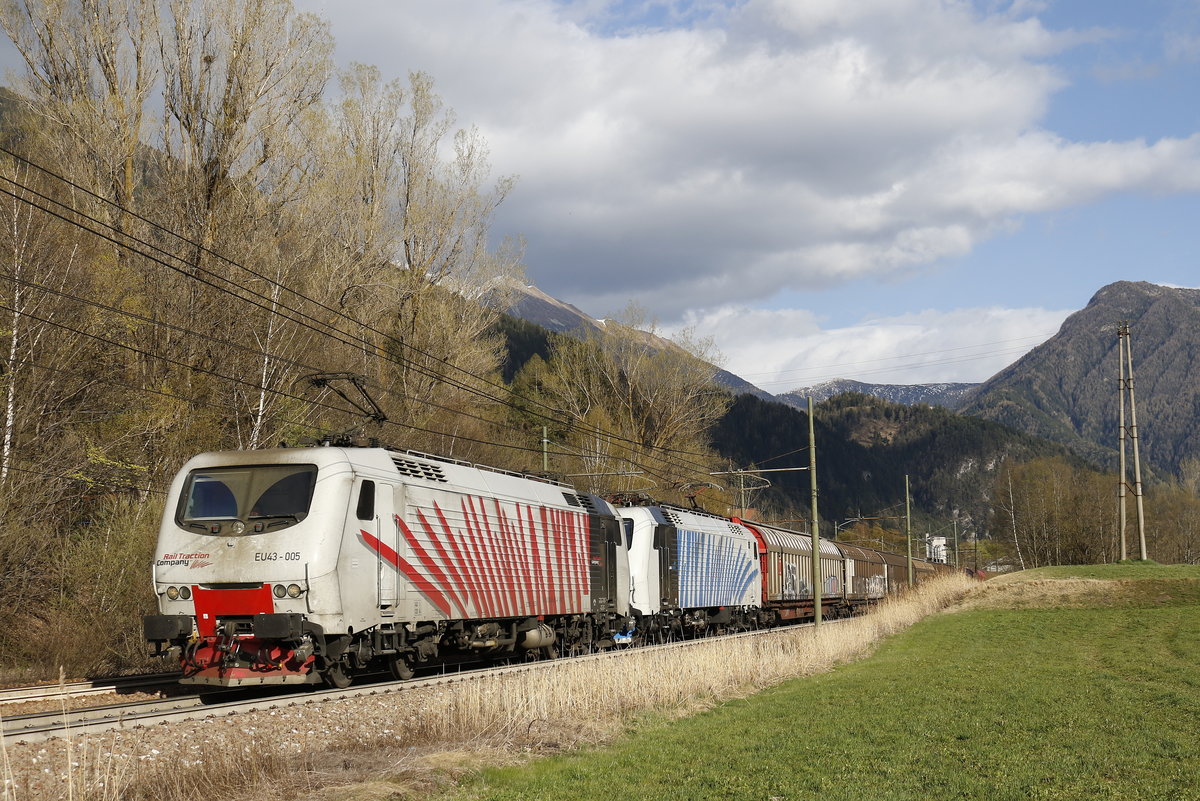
<point x="77" y="689"/>
<point x="42" y="726"/>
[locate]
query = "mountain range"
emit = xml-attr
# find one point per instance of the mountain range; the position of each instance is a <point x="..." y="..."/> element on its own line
<point x="948" y="396"/>
<point x="1064" y="390"/>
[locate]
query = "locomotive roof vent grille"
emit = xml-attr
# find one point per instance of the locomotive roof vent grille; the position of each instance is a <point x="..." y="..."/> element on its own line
<point x="674" y="518"/>
<point x="414" y="469"/>
<point x="573" y="500"/>
<point x="734" y="529"/>
<point x="676" y="509"/>
<point x="586" y="502"/>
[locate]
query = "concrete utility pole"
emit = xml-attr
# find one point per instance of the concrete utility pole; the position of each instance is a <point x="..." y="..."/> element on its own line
<point x="908" y="528"/>
<point x="1125" y="358"/>
<point x="816" y="536"/>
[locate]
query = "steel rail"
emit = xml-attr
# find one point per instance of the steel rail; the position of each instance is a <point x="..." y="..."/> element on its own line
<point x="76" y="689"/>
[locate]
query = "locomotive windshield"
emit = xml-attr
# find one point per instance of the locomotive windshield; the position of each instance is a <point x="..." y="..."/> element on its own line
<point x="273" y="495"/>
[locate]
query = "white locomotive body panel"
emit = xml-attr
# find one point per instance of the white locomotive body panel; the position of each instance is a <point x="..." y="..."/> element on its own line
<point x="717" y="561"/>
<point x="328" y="543"/>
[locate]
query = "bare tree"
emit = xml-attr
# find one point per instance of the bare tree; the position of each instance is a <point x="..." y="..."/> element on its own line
<point x="636" y="400"/>
<point x="91" y="69"/>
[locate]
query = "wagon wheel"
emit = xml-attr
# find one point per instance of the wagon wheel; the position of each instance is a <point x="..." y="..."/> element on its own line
<point x="337" y="676"/>
<point x="400" y="667"/>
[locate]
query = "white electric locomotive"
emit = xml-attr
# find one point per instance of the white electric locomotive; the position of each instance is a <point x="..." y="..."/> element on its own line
<point x="297" y="565"/>
<point x="691" y="572"/>
<point x="294" y="565"/>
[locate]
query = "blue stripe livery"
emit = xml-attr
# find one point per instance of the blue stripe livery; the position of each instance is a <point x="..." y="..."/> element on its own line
<point x="714" y="569"/>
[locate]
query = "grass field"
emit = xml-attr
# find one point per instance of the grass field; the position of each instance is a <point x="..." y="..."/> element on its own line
<point x="1091" y="701"/>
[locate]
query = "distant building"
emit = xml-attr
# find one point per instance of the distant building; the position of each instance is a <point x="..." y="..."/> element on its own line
<point x="936" y="550"/>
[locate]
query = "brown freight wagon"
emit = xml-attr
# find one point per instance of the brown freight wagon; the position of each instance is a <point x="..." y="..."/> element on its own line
<point x="866" y="573"/>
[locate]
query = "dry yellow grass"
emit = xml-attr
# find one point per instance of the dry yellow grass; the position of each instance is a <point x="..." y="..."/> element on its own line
<point x="1077" y="593"/>
<point x="405" y="745"/>
<point x="1037" y="594"/>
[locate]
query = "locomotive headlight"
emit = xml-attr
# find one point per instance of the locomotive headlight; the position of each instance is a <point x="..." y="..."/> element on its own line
<point x="173" y="593"/>
<point x="185" y="592"/>
<point x="293" y="590"/>
<point x="279" y="591"/>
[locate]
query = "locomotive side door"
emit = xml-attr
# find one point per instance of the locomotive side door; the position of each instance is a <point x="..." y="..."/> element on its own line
<point x="389" y="535"/>
<point x="372" y="515"/>
<point x="666" y="543"/>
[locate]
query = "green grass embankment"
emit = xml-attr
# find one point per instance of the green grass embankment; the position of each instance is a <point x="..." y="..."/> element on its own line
<point x="1098" y="700"/>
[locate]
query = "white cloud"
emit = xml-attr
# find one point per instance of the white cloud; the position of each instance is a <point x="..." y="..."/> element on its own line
<point x="784" y="350"/>
<point x="769" y="145"/>
<point x="1182" y="46"/>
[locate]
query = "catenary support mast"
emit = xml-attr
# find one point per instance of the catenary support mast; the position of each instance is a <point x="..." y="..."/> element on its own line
<point x="816" y="536"/>
<point x="1126" y="385"/>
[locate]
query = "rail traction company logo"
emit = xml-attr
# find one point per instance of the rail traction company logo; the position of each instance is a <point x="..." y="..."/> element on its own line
<point x="193" y="560"/>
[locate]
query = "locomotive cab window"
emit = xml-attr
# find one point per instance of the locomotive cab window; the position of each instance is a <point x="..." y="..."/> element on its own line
<point x="366" y="501"/>
<point x="246" y="500"/>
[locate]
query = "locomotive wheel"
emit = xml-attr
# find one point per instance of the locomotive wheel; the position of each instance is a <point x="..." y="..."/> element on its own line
<point x="336" y="676"/>
<point x="400" y="668"/>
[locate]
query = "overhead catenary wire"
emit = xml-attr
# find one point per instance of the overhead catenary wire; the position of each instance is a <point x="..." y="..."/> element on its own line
<point x="322" y="327"/>
<point x="250" y="385"/>
<point x="101" y="235"/>
<point x="270" y="309"/>
<point x="235" y="380"/>
<point x="227" y="343"/>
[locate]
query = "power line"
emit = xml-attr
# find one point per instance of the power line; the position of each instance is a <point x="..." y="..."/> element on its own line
<point x="256" y="352"/>
<point x="232" y="379"/>
<point x="355" y="342"/>
<point x="251" y="385"/>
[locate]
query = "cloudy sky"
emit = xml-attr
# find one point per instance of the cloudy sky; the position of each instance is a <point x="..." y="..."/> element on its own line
<point x="896" y="191"/>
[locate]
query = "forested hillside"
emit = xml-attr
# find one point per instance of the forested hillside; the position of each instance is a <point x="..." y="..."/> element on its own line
<point x="865" y="446"/>
<point x="1030" y="501"/>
